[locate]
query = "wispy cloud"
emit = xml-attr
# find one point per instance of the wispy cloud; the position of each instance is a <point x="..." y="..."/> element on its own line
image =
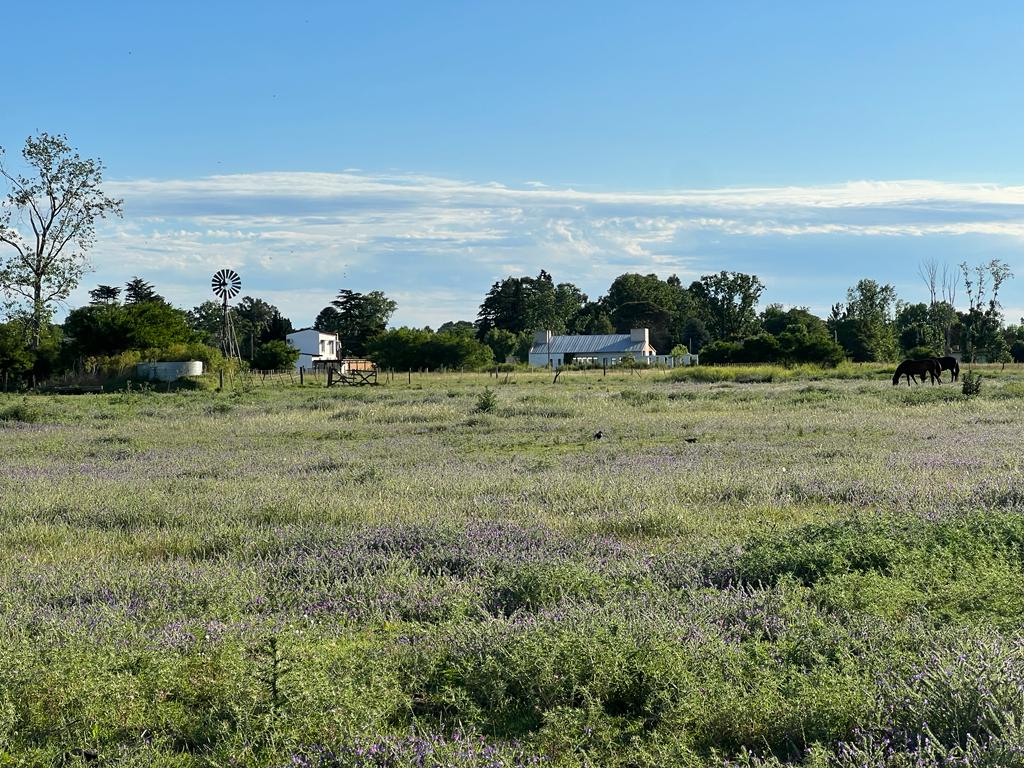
<point x="436" y="244"/>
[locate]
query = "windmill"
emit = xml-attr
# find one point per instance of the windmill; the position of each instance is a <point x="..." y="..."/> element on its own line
<point x="226" y="284"/>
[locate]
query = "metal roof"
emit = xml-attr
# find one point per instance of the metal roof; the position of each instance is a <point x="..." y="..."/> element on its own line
<point x="588" y="345"/>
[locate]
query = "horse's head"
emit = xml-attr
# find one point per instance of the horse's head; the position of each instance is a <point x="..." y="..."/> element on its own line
<point x="896" y="377"/>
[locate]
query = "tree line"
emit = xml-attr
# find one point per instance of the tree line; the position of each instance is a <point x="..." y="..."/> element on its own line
<point x="53" y="202"/>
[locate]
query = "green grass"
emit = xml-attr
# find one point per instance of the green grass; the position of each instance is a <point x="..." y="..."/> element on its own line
<point x="753" y="566"/>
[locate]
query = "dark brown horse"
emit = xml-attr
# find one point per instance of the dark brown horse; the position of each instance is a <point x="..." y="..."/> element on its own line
<point x="914" y="368"/>
<point x="950" y="364"/>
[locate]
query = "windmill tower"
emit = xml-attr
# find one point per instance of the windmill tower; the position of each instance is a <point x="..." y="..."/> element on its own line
<point x="226" y="284"/>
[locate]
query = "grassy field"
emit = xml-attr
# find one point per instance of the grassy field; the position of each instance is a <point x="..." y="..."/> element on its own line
<point x="751" y="568"/>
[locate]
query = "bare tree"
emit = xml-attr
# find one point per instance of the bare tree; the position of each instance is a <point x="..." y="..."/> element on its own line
<point x="929" y="273"/>
<point x="950" y="284"/>
<point x="48" y="221"/>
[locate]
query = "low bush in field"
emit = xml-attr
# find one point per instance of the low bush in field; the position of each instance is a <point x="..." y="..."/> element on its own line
<point x="22" y="411"/>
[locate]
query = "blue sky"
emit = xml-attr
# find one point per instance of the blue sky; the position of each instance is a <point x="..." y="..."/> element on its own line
<point x="427" y="149"/>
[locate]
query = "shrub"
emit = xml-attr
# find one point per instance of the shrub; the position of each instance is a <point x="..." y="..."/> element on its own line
<point x="971" y="384"/>
<point x="23" y="412"/>
<point x="275" y="356"/>
<point x="718" y="352"/>
<point x="487" y="401"/>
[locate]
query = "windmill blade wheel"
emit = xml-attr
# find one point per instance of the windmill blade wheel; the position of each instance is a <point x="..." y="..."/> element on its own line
<point x="226" y="283"/>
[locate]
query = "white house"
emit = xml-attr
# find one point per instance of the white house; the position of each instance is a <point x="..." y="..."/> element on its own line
<point x="608" y="349"/>
<point x="315" y="347"/>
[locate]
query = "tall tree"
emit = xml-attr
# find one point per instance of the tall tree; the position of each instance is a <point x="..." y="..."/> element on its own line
<point x="48" y="223"/>
<point x="104" y="294"/>
<point x="728" y="303"/>
<point x="15" y="356"/>
<point x="138" y="291"/>
<point x="591" y="320"/>
<point x="527" y="304"/>
<point x="646" y="314"/>
<point x="277" y="328"/>
<point x="694" y="335"/>
<point x="864" y="324"/>
<point x="356" y="318"/>
<point x="251" y="318"/>
<point x="983" y="320"/>
<point x="673" y="302"/>
<point x="942" y="283"/>
<point x="915" y="328"/>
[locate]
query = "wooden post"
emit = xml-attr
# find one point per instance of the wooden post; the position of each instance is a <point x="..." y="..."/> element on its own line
<point x="330" y="376"/>
<point x="221" y="373"/>
<point x="302" y="374"/>
<point x="604" y="361"/>
<point x="410" y="376"/>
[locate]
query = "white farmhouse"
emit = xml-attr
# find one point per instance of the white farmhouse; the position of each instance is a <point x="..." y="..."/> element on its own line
<point x="315" y="347"/>
<point x="608" y="349"/>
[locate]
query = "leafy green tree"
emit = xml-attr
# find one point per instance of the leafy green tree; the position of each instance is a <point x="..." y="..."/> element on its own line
<point x="400" y="349"/>
<point x="109" y="329"/>
<point x="450" y="350"/>
<point x="458" y="327"/>
<point x="632" y="287"/>
<point x="277" y="328"/>
<point x="775" y="319"/>
<point x="356" y="318"/>
<point x="502" y="343"/>
<point x="983" y="320"/>
<point x="138" y="291"/>
<point x="694" y="335"/>
<point x="15" y="356"/>
<point x="759" y="348"/>
<point x="414" y="348"/>
<point x="1017" y="351"/>
<point x="727" y="303"/>
<point x="801" y="345"/>
<point x="591" y="320"/>
<point x="105" y="294"/>
<point x="864" y="325"/>
<point x="721" y="352"/>
<point x="521" y="304"/>
<point x="252" y="318"/>
<point x="646" y="314"/>
<point x="206" y="320"/>
<point x="48" y="224"/>
<point x="915" y="328"/>
<point x="674" y="302"/>
<point x="275" y="356"/>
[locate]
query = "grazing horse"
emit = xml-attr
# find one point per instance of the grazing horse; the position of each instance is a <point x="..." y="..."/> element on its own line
<point x="950" y="364"/>
<point x="914" y="368"/>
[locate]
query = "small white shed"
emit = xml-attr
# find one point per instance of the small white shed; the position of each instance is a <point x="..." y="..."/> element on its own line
<point x="315" y="347"/>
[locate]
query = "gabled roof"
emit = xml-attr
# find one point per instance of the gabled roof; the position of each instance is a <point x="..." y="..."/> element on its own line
<point x="589" y="345"/>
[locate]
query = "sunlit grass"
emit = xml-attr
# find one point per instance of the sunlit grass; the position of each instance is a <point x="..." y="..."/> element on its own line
<point x="750" y="564"/>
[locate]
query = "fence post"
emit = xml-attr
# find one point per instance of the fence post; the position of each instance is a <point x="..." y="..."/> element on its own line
<point x="221" y="373"/>
<point x="410" y="376"/>
<point x="302" y="374"/>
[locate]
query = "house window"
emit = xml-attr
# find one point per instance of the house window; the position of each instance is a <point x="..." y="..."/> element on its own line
<point x="323" y="345"/>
